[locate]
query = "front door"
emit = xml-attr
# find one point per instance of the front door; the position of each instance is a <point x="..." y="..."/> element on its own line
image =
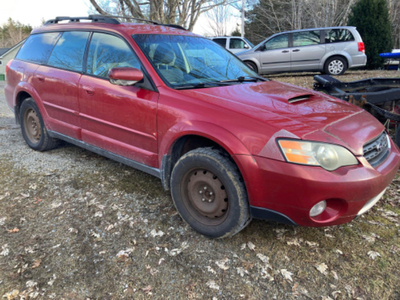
<point x="275" y="56"/>
<point x="119" y="119"/>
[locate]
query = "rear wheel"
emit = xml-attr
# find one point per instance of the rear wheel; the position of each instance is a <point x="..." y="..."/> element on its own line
<point x="209" y="193"/>
<point x="33" y="128"/>
<point x="335" y="66"/>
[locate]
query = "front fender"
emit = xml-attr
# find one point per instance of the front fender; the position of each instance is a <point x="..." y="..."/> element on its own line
<point x="211" y="131"/>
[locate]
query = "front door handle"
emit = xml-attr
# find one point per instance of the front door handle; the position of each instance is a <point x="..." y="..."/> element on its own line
<point x="88" y="90"/>
<point x="285" y="51"/>
<point x="296" y="50"/>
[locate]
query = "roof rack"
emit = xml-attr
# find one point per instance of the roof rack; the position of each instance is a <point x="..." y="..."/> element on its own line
<point x="107" y="19"/>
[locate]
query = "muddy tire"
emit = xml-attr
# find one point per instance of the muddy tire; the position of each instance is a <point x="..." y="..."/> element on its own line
<point x="335" y="66"/>
<point x="209" y="193"/>
<point x="33" y="128"/>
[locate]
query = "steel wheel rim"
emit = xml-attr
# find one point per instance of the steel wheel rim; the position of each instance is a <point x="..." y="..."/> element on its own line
<point x="205" y="197"/>
<point x="335" y="66"/>
<point x="32" y="126"/>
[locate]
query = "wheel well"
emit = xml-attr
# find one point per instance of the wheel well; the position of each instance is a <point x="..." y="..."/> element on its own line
<point x="20" y="98"/>
<point x="249" y="61"/>
<point x="180" y="147"/>
<point x="338" y="55"/>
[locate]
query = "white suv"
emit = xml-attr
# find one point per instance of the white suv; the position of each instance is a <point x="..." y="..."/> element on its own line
<point x="331" y="50"/>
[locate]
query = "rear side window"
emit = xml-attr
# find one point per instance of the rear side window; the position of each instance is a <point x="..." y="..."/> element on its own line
<point x="338" y="35"/>
<point x="69" y="50"/>
<point x="37" y="47"/>
<point x="106" y="52"/>
<point x="306" y="38"/>
<point x="221" y="42"/>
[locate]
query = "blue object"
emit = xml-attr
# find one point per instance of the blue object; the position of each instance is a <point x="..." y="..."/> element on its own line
<point x="390" y="55"/>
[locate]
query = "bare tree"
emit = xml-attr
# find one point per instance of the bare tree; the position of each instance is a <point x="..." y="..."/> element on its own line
<point x="11" y="33"/>
<point x="181" y="12"/>
<point x="217" y="19"/>
<point x="394" y="13"/>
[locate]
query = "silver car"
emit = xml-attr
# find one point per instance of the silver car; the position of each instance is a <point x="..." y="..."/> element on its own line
<point x="331" y="50"/>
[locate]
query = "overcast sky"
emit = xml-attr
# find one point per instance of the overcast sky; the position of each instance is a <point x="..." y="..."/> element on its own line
<point x="32" y="12"/>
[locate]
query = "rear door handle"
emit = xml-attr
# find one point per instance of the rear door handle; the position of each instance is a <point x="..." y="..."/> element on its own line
<point x="296" y="50"/>
<point x="88" y="90"/>
<point x="285" y="51"/>
<point x="40" y="78"/>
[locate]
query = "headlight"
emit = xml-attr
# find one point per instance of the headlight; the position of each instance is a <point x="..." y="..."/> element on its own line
<point x="329" y="157"/>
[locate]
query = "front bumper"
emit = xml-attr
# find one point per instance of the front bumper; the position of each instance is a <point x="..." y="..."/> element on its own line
<point x="286" y="192"/>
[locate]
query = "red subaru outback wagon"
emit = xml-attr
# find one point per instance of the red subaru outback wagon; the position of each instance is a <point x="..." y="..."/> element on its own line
<point x="229" y="144"/>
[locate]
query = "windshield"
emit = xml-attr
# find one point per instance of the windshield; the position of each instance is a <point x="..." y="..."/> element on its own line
<point x="192" y="62"/>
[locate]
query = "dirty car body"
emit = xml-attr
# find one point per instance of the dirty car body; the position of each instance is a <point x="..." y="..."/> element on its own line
<point x="228" y="144"/>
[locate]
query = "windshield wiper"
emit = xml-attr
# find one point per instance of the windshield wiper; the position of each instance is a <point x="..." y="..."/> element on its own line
<point x="201" y="85"/>
<point x="245" y="79"/>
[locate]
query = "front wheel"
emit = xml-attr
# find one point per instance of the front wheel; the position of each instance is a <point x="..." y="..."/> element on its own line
<point x="252" y="66"/>
<point x="33" y="128"/>
<point x="209" y="193"/>
<point x="335" y="66"/>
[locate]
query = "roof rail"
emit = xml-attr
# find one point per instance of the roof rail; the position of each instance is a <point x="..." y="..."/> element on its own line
<point x="107" y="19"/>
<point x="93" y="18"/>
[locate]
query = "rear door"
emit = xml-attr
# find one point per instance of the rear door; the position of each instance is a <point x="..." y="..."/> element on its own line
<point x="275" y="56"/>
<point x="307" y="51"/>
<point x="119" y="119"/>
<point x="221" y="42"/>
<point x="57" y="83"/>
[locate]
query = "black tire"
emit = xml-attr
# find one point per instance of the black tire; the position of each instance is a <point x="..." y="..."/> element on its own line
<point x="252" y="66"/>
<point x="335" y="65"/>
<point x="397" y="136"/>
<point x="209" y="193"/>
<point x="33" y="128"/>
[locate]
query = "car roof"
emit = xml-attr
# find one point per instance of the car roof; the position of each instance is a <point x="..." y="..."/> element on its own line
<point x="123" y="28"/>
<point x="317" y="28"/>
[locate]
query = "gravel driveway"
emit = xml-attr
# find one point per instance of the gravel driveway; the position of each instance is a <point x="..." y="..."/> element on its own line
<point x="74" y="225"/>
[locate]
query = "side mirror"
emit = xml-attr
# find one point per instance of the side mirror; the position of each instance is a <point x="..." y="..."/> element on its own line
<point x="125" y="76"/>
<point x="261" y="48"/>
<point x="246" y="46"/>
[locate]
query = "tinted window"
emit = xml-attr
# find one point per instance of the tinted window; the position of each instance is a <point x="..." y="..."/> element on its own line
<point x="221" y="42"/>
<point x="107" y="52"/>
<point x="236" y="44"/>
<point x="306" y="38"/>
<point x="37" y="47"/>
<point x="69" y="50"/>
<point x="280" y="41"/>
<point x="338" y="35"/>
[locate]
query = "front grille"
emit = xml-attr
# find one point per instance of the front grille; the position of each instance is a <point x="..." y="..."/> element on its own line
<point x="377" y="150"/>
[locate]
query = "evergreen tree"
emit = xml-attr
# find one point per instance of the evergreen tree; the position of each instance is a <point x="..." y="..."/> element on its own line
<point x="371" y="17"/>
<point x="236" y="32"/>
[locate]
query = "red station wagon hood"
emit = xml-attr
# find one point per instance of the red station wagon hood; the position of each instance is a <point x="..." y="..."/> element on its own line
<point x="316" y="116"/>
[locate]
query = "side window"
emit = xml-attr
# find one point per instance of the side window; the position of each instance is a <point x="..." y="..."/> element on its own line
<point x="306" y="38"/>
<point x="236" y="43"/>
<point x="221" y="42"/>
<point x="278" y="42"/>
<point x="37" y="47"/>
<point x="106" y="52"/>
<point x="338" y="35"/>
<point x="69" y="50"/>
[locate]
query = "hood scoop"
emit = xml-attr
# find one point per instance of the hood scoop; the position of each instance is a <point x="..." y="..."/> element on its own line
<point x="300" y="98"/>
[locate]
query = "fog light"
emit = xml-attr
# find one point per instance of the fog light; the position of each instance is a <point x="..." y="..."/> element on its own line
<point x="318" y="208"/>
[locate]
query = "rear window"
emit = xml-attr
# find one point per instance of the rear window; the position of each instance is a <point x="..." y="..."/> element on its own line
<point x="221" y="42"/>
<point x="338" y="36"/>
<point x="37" y="47"/>
<point x="69" y="50"/>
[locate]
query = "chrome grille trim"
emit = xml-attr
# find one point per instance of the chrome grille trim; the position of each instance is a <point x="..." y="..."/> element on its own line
<point x="376" y="151"/>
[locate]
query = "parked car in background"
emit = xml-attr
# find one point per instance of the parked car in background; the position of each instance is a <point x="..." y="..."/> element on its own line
<point x="234" y="44"/>
<point x="329" y="50"/>
<point x="229" y="144"/>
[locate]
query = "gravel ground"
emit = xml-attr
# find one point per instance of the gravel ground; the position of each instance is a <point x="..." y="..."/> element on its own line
<point x="74" y="225"/>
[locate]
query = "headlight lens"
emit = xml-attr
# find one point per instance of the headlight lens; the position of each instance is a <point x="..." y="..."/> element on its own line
<point x="329" y="157"/>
